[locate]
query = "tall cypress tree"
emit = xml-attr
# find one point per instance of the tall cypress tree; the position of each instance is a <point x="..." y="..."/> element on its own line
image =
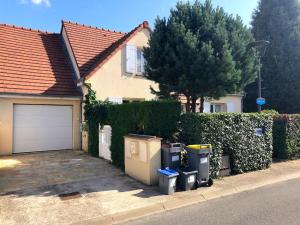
<point x="278" y="21"/>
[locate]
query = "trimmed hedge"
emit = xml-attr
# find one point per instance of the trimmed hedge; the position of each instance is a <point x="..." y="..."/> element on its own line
<point x="286" y="134"/>
<point x="233" y="134"/>
<point x="157" y="118"/>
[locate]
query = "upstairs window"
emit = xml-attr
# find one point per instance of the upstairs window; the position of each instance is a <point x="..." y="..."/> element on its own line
<point x="139" y="55"/>
<point x="134" y="60"/>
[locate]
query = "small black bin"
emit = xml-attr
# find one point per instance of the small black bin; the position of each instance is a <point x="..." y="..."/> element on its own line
<point x="187" y="179"/>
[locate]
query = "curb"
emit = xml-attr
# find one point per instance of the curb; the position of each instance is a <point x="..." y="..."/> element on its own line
<point x="183" y="201"/>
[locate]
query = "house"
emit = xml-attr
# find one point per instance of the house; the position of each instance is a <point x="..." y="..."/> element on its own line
<point x="44" y="78"/>
<point x="111" y="62"/>
<point x="230" y="103"/>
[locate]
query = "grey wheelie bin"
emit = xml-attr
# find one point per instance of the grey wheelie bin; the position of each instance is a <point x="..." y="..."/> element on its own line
<point x="187" y="179"/>
<point x="171" y="155"/>
<point x="167" y="181"/>
<point x="198" y="159"/>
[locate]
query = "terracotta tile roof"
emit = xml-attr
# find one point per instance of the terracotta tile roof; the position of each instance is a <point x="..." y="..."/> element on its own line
<point x="93" y="46"/>
<point x="34" y="62"/>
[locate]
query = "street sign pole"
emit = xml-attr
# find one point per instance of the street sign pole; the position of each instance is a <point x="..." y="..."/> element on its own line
<point x="261" y="46"/>
<point x="259" y="84"/>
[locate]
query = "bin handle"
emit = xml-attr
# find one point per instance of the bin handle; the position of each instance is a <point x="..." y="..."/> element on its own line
<point x="178" y="145"/>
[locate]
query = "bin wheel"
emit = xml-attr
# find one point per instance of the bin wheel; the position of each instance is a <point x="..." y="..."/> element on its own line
<point x="196" y="185"/>
<point x="210" y="182"/>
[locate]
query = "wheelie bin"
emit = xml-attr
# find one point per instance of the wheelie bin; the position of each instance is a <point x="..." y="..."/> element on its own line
<point x="167" y="181"/>
<point x="187" y="179"/>
<point x="198" y="159"/>
<point x="171" y="155"/>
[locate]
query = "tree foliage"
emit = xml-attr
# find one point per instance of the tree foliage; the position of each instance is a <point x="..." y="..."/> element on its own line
<point x="200" y="52"/>
<point x="278" y="21"/>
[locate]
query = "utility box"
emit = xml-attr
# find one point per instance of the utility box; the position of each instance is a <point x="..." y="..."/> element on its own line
<point x="143" y="158"/>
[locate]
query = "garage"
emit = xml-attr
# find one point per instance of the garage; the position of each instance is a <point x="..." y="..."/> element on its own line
<point x="42" y="128"/>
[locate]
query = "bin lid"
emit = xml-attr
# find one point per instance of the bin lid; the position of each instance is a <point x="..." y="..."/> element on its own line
<point x="199" y="147"/>
<point x="168" y="172"/>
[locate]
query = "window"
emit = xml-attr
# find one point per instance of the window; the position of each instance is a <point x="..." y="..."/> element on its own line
<point x="139" y="61"/>
<point x="134" y="60"/>
<point x="216" y="108"/>
<point x="129" y="100"/>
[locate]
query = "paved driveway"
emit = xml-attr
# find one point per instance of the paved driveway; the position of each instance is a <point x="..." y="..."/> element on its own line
<point x="25" y="171"/>
<point x="63" y="187"/>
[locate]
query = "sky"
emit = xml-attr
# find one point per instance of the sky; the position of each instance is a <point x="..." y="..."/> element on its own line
<point x="119" y="15"/>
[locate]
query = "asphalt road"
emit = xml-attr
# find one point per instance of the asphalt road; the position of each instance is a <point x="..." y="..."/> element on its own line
<point x="277" y="204"/>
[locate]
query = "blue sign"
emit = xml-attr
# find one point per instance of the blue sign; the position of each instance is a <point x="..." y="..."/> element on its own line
<point x="261" y="101"/>
<point x="259" y="132"/>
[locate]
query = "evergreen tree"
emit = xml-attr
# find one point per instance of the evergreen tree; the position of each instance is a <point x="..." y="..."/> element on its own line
<point x="278" y="21"/>
<point x="200" y="52"/>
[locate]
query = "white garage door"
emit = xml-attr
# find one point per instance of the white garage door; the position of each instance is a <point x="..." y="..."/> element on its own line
<point x="42" y="128"/>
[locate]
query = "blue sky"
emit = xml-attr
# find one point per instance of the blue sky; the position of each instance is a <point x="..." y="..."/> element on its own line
<point x="120" y="15"/>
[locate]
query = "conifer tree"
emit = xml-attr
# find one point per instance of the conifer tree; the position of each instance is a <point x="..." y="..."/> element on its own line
<point x="200" y="52"/>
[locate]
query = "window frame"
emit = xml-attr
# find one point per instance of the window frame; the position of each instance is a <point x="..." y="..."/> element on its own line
<point x="221" y="105"/>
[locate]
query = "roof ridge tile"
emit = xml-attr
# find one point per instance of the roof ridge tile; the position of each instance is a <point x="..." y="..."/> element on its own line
<point x="94" y="27"/>
<point x="24" y="28"/>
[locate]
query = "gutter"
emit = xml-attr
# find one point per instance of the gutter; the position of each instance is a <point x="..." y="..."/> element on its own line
<point x="28" y="96"/>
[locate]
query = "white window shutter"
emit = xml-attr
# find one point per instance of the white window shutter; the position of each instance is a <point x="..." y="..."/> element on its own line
<point x="131" y="53"/>
<point x="206" y="107"/>
<point x="230" y="107"/>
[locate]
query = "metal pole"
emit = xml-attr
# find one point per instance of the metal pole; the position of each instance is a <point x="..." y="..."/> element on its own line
<point x="259" y="84"/>
<point x="261" y="46"/>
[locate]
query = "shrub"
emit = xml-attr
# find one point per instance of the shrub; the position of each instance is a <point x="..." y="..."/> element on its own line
<point x="271" y="112"/>
<point x="286" y="134"/>
<point x="157" y="118"/>
<point x="233" y="134"/>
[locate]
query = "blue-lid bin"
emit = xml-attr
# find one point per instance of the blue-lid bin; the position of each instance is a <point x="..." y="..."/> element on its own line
<point x="167" y="181"/>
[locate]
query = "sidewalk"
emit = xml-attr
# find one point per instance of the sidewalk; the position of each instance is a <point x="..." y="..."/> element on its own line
<point x="279" y="172"/>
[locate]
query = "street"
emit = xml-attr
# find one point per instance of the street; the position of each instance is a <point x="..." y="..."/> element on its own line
<point x="275" y="205"/>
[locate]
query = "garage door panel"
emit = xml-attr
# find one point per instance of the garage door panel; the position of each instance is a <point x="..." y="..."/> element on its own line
<point x="39" y="145"/>
<point x="42" y="128"/>
<point x="31" y="134"/>
<point x="42" y="122"/>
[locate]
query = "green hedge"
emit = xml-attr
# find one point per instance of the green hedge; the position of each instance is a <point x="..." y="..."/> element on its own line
<point x="233" y="134"/>
<point x="286" y="133"/>
<point x="157" y="118"/>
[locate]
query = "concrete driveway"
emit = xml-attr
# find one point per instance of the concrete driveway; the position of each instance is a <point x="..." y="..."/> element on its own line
<point x="64" y="187"/>
<point x="25" y="171"/>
